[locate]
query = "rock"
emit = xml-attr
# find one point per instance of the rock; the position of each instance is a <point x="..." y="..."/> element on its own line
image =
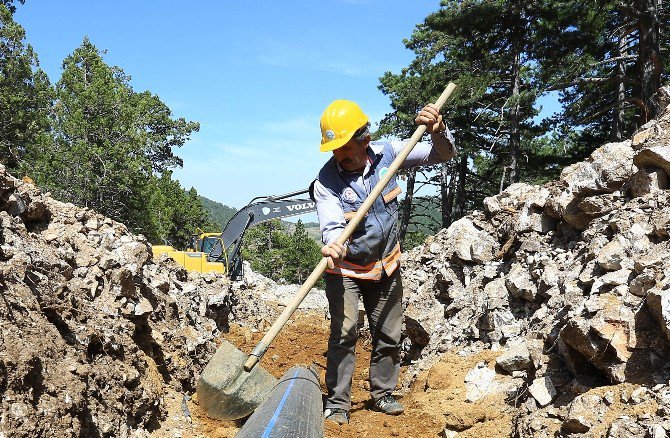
<point x="614" y="164"/>
<point x="143" y="307"/>
<point x="469" y="243"/>
<point x="598" y="205"/>
<point x="478" y="382"/>
<point x="611" y="279"/>
<point x="653" y="157"/>
<point x="658" y="301"/>
<point x="647" y="181"/>
<point x="580" y="178"/>
<point x="639" y="395"/>
<point x="654" y="257"/>
<point x="574" y="216"/>
<point x="517" y="357"/>
<point x="606" y="170"/>
<point x="584" y="412"/>
<point x="98" y="330"/>
<point x="624" y="427"/>
<point x="542" y="390"/>
<point x="606" y="329"/>
<point x="613" y="255"/>
<point x="558" y="201"/>
<point x="519" y="284"/>
<point x="642" y="283"/>
<point x="656" y="431"/>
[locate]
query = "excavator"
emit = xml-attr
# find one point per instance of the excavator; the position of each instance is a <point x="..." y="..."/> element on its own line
<point x="220" y="252"/>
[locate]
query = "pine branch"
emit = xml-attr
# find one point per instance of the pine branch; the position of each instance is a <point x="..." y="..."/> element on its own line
<point x="585" y="81"/>
<point x="605" y="110"/>
<point x="617" y="59"/>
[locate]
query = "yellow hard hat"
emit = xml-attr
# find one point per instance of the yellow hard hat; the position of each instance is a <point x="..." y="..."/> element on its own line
<point x="339" y="122"/>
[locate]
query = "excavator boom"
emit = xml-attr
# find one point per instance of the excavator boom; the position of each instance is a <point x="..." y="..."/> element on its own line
<point x="259" y="210"/>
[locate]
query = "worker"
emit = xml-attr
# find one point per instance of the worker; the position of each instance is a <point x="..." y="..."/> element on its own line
<point x="368" y="264"/>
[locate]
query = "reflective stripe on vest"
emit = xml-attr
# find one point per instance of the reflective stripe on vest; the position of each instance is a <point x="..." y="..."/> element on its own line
<point x="373" y="271"/>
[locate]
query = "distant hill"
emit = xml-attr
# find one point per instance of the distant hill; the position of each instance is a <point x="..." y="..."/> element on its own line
<point x="219" y="212"/>
<point x="312" y="229"/>
<point x="426" y="215"/>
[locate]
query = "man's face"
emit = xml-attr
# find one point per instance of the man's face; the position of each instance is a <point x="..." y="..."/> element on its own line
<point x="352" y="156"/>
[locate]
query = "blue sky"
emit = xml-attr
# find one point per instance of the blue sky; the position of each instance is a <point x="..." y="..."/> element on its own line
<point x="256" y="75"/>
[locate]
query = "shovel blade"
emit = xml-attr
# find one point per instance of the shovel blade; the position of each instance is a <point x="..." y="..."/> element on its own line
<point x="227" y="392"/>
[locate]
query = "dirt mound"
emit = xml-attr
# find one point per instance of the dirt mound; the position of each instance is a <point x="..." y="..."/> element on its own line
<point x="569" y="283"/>
<point x="94" y="334"/>
<point x="440" y="391"/>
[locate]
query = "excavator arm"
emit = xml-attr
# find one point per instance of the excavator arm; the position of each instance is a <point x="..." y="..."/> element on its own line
<point x="226" y="249"/>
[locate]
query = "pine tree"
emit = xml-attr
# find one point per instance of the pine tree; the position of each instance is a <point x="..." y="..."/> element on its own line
<point x="279" y="255"/>
<point x="172" y="214"/>
<point x="110" y="143"/>
<point x="486" y="47"/>
<point x="25" y="98"/>
<point x="9" y="4"/>
<point x="606" y="59"/>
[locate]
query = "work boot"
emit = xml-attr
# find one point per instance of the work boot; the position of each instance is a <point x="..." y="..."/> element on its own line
<point x="389" y="406"/>
<point x="338" y="415"/>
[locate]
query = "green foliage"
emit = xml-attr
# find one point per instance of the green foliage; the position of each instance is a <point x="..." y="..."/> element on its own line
<point x="177" y="212"/>
<point x="484" y="46"/>
<point x="413" y="239"/>
<point x="426" y="218"/>
<point x="25" y="97"/>
<point x="9" y="4"/>
<point x="280" y="255"/>
<point x="605" y="58"/>
<point x="94" y="141"/>
<point x="112" y="149"/>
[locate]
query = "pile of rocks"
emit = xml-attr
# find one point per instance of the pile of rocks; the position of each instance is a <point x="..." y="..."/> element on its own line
<point x="280" y="294"/>
<point x="570" y="281"/>
<point x="93" y="332"/>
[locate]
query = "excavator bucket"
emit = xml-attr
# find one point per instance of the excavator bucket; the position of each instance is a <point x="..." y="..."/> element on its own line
<point x="226" y="391"/>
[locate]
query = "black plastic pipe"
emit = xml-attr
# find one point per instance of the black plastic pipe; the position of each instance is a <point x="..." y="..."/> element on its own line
<point x="293" y="409"/>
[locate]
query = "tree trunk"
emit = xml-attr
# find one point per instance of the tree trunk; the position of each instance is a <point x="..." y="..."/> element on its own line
<point x="502" y="179"/>
<point x="649" y="62"/>
<point x="406" y="207"/>
<point x="447" y="194"/>
<point x="515" y="136"/>
<point x="617" y="120"/>
<point x="460" y="188"/>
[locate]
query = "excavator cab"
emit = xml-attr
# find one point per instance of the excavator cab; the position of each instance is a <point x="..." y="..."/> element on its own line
<point x="206" y="241"/>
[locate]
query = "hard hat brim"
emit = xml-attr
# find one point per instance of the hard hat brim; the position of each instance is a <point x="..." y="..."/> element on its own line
<point x="335" y="144"/>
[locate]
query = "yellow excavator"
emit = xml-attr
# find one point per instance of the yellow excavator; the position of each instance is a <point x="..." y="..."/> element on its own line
<point x="194" y="258"/>
<point x="220" y="252"/>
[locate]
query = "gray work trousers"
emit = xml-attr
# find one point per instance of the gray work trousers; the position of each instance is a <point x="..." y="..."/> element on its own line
<point x="383" y="305"/>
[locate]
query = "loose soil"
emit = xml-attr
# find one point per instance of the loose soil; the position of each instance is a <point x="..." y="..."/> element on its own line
<point x="436" y="399"/>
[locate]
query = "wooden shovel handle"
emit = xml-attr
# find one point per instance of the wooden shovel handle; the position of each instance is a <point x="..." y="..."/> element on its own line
<point x="264" y="343"/>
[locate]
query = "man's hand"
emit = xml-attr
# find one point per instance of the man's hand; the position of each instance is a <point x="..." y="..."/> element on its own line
<point x="334" y="252"/>
<point x="431" y="117"/>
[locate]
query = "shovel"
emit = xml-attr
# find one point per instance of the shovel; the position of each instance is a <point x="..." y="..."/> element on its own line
<point x="231" y="386"/>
